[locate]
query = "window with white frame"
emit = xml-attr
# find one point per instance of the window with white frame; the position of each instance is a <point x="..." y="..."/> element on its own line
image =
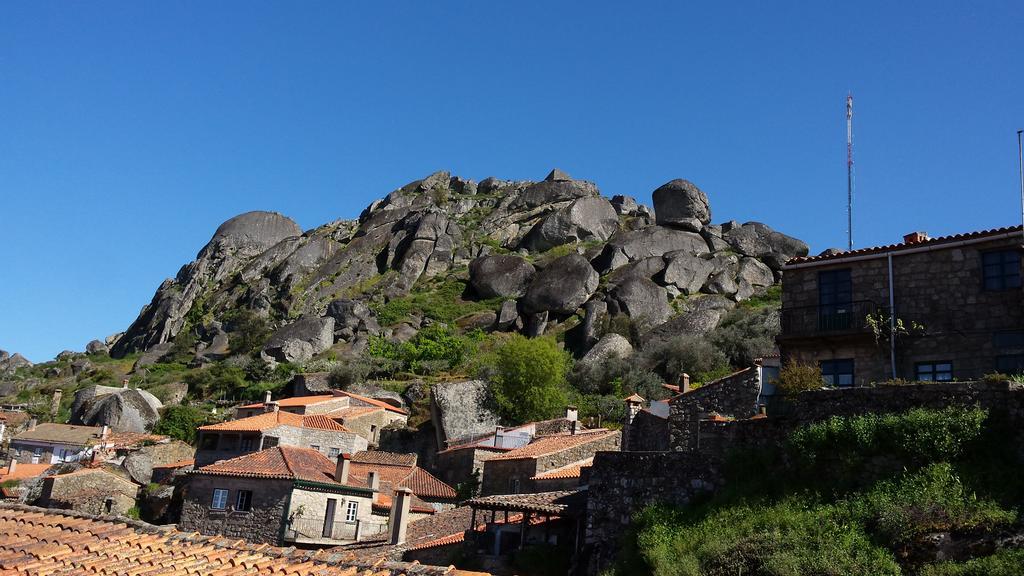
<point x="333" y="453"/>
<point x="220" y="499"/>
<point x="351" y="511"/>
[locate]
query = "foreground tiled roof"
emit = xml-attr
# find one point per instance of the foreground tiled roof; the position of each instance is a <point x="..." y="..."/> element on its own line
<point x="41" y="541"/>
<point x="938" y="241"/>
<point x="382" y="457"/>
<point x="545" y="445"/>
<point x="268" y="420"/>
<point x="563" y="502"/>
<point x="63" y="434"/>
<point x="279" y="462"/>
<point x="178" y="464"/>
<point x="296" y="401"/>
<point x="573" y="470"/>
<point x="23" y="471"/>
<point x="14" y="418"/>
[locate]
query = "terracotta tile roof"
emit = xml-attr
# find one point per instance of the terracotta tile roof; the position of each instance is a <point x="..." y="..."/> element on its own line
<point x="8" y="493"/>
<point x="571" y="471"/>
<point x="938" y="241"/>
<point x="422" y="483"/>
<point x="62" y="434"/>
<point x="374" y="402"/>
<point x="382" y="457"/>
<point x="544" y="445"/>
<point x="40" y="541"/>
<point x="23" y="471"/>
<point x="14" y="418"/>
<point x="354" y="411"/>
<point x="634" y="398"/>
<point x="296" y="401"/>
<point x="107" y="472"/>
<point x="671" y="388"/>
<point x="279" y="462"/>
<point x="563" y="502"/>
<point x="268" y="420"/>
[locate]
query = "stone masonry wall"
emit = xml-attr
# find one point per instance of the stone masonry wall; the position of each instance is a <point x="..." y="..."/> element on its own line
<point x="647" y="433"/>
<point x="622" y="483"/>
<point x="734" y="395"/>
<point x="941" y="290"/>
<point x="499" y="473"/>
<point x="262" y="524"/>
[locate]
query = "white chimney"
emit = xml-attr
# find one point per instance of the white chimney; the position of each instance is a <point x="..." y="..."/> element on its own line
<point x="373" y="480"/>
<point x="104" y="432"/>
<point x="266" y="397"/>
<point x="684" y="382"/>
<point x="32" y="424"/>
<point x="399" y="520"/>
<point x="571" y="413"/>
<point x="341" y="471"/>
<point x="124" y="383"/>
<point x="271" y="406"/>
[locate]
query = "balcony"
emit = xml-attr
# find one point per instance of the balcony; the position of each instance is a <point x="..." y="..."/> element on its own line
<point x="823" y="321"/>
<point x="314" y="531"/>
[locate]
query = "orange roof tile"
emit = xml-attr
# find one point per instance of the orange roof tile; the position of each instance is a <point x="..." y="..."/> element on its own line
<point x="178" y="464"/>
<point x="384" y="457"/>
<point x="573" y="470"/>
<point x="268" y="420"/>
<point x="937" y="241"/>
<point x="40" y="541"/>
<point x="280" y="462"/>
<point x="373" y="401"/>
<point x="23" y="471"/>
<point x="422" y="483"/>
<point x="354" y="411"/>
<point x="296" y="401"/>
<point x="544" y="445"/>
<point x="133" y="439"/>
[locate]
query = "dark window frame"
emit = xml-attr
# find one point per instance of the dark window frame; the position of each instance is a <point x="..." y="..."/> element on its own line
<point x="243" y="500"/>
<point x="836" y="368"/>
<point x="930" y="371"/>
<point x="1000" y="270"/>
<point x="835" y="299"/>
<point x="1003" y="360"/>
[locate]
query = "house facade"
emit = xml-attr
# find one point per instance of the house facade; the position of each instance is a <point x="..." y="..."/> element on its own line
<point x="514" y="472"/>
<point x="103" y="491"/>
<point x="362" y="415"/>
<point x="51" y="443"/>
<point x="929" y="309"/>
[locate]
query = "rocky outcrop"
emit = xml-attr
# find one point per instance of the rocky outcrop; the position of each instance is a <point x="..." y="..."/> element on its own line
<point x="681" y="204"/>
<point x="300" y="340"/>
<point x="759" y="241"/>
<point x="500" y="276"/>
<point x="124" y="409"/>
<point x="139" y="463"/>
<point x="459" y="411"/>
<point x="562" y="286"/>
<point x="584" y="219"/>
<point x="9" y="363"/>
<point x="609" y="346"/>
<point x="642" y="300"/>
<point x="97" y="347"/>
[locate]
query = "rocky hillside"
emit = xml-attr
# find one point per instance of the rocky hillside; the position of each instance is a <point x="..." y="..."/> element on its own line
<point x="538" y="257"/>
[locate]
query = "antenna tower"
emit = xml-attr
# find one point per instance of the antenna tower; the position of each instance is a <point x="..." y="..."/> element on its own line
<point x="849" y="171"/>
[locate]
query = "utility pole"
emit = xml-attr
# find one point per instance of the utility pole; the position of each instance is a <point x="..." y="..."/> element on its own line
<point x="1020" y="169"/>
<point x="849" y="171"/>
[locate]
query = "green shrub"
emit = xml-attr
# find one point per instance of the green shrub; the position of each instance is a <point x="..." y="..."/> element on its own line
<point x="745" y="334"/>
<point x="434" y="348"/>
<point x="795" y="377"/>
<point x="694" y="355"/>
<point x="248" y="330"/>
<point x="529" y="378"/>
<point x="181" y="422"/>
<point x="1005" y="562"/>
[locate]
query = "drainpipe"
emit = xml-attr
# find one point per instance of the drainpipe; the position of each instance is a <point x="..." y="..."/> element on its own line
<point x="892" y="320"/>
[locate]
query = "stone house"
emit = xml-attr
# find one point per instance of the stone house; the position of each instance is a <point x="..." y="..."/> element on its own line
<point x="55" y="443"/>
<point x="400" y="471"/>
<point x="958" y="299"/>
<point x="368" y="416"/>
<point x="247" y="435"/>
<point x="281" y="495"/>
<point x="103" y="490"/>
<point x="463" y="461"/>
<point x="12" y="423"/>
<point x="513" y="472"/>
<point x="302" y="405"/>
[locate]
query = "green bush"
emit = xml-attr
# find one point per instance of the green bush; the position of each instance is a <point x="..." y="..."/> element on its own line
<point x="694" y="355"/>
<point x="745" y="334"/>
<point x="529" y="378"/>
<point x="439" y="300"/>
<point x="181" y="422"/>
<point x="432" y="349"/>
<point x="248" y="331"/>
<point x="795" y="377"/>
<point x="1005" y="562"/>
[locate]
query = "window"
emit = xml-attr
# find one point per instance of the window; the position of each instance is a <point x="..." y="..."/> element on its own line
<point x="243" y="502"/>
<point x="513" y="485"/>
<point x="269" y="442"/>
<point x="1001" y="270"/>
<point x="1011" y="364"/>
<point x="352" y="511"/>
<point x="934" y="371"/>
<point x="835" y="296"/>
<point x="247" y="444"/>
<point x="315" y="447"/>
<point x="332" y="453"/>
<point x="1008" y="339"/>
<point x="837" y="372"/>
<point x="208" y="442"/>
<point x="220" y="499"/>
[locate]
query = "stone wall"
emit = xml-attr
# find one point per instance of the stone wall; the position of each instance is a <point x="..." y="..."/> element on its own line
<point x="369" y="425"/>
<point x="941" y="290"/>
<point x="88" y="491"/>
<point x="457" y="466"/>
<point x="735" y="396"/>
<point x="263" y="524"/>
<point x="499" y="474"/>
<point x="324" y="440"/>
<point x="622" y="483"/>
<point x="646" y="433"/>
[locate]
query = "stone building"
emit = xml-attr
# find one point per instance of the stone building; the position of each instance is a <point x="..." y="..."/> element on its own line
<point x="281" y="495"/>
<point x="102" y="490"/>
<point x="234" y="438"/>
<point x="955" y="303"/>
<point x="513" y="472"/>
<point x="400" y="471"/>
<point x="302" y="405"/>
<point x="55" y="443"/>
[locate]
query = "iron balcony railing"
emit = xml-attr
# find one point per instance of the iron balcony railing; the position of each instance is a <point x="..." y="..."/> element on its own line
<point x="313" y="528"/>
<point x="810" y="320"/>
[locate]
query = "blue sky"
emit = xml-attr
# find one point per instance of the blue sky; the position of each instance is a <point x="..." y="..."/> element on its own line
<point x="129" y="131"/>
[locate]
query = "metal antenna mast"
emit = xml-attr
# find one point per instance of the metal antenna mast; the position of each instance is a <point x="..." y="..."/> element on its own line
<point x="849" y="171"/>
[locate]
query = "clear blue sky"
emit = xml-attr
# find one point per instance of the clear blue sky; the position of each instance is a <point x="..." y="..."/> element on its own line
<point x="129" y="131"/>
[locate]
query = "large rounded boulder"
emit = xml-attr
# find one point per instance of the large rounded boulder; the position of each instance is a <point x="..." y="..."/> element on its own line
<point x="610" y="345"/>
<point x="127" y="410"/>
<point x="253" y="232"/>
<point x="758" y="240"/>
<point x="500" y="276"/>
<point x="681" y="204"/>
<point x="585" y="219"/>
<point x="645" y="302"/>
<point x="301" y="340"/>
<point x="562" y="286"/>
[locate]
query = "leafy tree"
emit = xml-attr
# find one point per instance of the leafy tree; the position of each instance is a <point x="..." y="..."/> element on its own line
<point x="181" y="422"/>
<point x="694" y="355"/>
<point x="745" y="334"/>
<point x="529" y="382"/>
<point x="248" y="331"/>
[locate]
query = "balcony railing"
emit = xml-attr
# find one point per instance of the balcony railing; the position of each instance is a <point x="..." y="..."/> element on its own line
<point x="843" y="318"/>
<point x="313" y="530"/>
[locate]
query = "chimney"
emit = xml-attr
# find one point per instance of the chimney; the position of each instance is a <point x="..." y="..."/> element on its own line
<point x="32" y="424"/>
<point x="271" y="406"/>
<point x="124" y="383"/>
<point x="11" y="466"/>
<point x="399" y="520"/>
<point x="571" y="413"/>
<point x="684" y="383"/>
<point x="915" y="238"/>
<point x="373" y="480"/>
<point x="341" y="472"/>
<point x="104" y="432"/>
<point x="55" y="402"/>
<point x="574" y="427"/>
<point x="266" y="397"/>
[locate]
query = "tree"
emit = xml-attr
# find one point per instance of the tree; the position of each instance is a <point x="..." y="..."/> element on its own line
<point x="529" y="378"/>
<point x="181" y="422"/>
